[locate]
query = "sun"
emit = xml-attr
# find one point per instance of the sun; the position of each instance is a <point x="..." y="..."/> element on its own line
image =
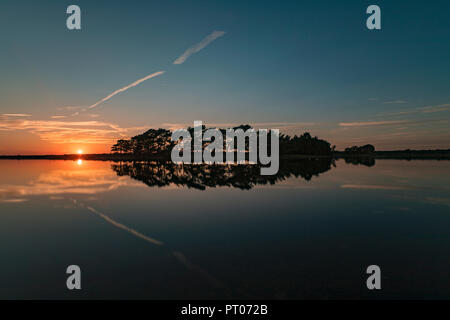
<point x="79" y="162"/>
<point x="80" y="151"/>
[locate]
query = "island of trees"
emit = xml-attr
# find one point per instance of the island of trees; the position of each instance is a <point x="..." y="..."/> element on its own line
<point x="158" y="142"/>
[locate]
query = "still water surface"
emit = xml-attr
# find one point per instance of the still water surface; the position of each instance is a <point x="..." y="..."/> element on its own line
<point x="159" y="231"/>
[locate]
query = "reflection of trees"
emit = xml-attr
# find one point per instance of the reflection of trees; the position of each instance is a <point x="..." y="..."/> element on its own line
<point x="367" y="161"/>
<point x="163" y="173"/>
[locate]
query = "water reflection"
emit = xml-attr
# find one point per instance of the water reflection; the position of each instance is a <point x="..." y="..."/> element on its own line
<point x="56" y="178"/>
<point x="180" y="257"/>
<point x="366" y="161"/>
<point x="308" y="232"/>
<point x="245" y="177"/>
<point x="22" y="180"/>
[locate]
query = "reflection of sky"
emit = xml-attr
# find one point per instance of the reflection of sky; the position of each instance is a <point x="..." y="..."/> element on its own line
<point x="23" y="180"/>
<point x="54" y="179"/>
<point x="299" y="65"/>
<point x="177" y="240"/>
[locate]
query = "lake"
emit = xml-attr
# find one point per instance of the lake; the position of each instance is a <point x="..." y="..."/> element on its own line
<point x="161" y="231"/>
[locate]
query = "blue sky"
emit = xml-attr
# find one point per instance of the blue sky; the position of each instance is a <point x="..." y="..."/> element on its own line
<point x="296" y="65"/>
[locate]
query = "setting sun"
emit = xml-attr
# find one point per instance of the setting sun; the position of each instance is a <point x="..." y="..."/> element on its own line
<point x="80" y="151"/>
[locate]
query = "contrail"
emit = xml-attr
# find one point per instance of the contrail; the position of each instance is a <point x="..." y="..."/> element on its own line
<point x="181" y="59"/>
<point x="178" y="255"/>
<point x="134" y="84"/>
<point x="124" y="227"/>
<point x="199" y="46"/>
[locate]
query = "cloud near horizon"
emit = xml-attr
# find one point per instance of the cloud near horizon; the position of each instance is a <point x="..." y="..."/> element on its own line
<point x="70" y="108"/>
<point x="67" y="132"/>
<point x="199" y="46"/>
<point x="438" y="108"/>
<point x="372" y="123"/>
<point x="427" y="109"/>
<point x="255" y="125"/>
<point x="19" y="115"/>
<point x="396" y="102"/>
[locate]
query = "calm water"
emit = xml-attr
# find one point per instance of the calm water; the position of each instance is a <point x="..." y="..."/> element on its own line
<point x="160" y="231"/>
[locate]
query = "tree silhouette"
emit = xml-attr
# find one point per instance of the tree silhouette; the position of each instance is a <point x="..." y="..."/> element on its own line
<point x="152" y="142"/>
<point x="366" y="149"/>
<point x="122" y="146"/>
<point x="304" y="144"/>
<point x="159" y="142"/>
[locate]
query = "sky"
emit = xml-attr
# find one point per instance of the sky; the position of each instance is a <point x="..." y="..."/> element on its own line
<point x="293" y="65"/>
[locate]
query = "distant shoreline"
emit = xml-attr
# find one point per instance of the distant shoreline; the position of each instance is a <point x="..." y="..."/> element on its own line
<point x="404" y="154"/>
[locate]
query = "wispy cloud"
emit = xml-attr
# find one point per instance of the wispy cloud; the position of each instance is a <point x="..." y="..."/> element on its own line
<point x="58" y="131"/>
<point x="57" y="117"/>
<point x="256" y="125"/>
<point x="427" y="109"/>
<point x="372" y="123"/>
<point x="396" y="102"/>
<point x="13" y="200"/>
<point x="371" y="187"/>
<point x="134" y="84"/>
<point x="440" y="201"/>
<point x="19" y="115"/>
<point x="70" y="108"/>
<point x="199" y="46"/>
<point x="438" y="108"/>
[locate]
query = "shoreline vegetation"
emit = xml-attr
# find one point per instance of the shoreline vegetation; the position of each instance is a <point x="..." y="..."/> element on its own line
<point x="157" y="144"/>
<point x="401" y="155"/>
<point x="443" y="154"/>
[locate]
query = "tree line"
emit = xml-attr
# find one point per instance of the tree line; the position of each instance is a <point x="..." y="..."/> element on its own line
<point x="159" y="142"/>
